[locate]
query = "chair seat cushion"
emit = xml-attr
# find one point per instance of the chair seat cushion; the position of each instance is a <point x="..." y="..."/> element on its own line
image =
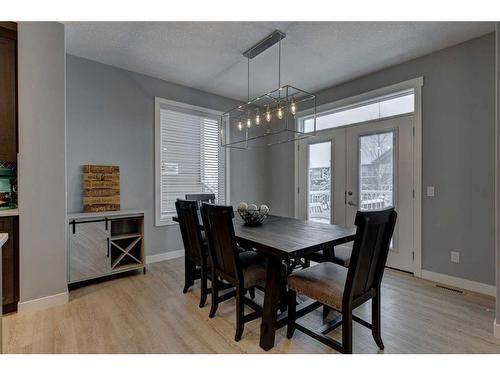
<point x="323" y="282"/>
<point x="253" y="267"/>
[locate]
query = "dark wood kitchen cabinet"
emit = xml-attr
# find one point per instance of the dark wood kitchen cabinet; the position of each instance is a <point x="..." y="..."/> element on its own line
<point x="10" y="264"/>
<point x="8" y="92"/>
<point x="8" y="153"/>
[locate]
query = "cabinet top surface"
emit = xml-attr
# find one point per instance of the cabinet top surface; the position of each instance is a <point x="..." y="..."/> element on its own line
<point x="3" y="239"/>
<point x="109" y="214"/>
<point x="10" y="212"/>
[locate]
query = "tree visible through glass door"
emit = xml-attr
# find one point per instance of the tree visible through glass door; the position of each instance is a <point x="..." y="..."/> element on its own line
<point x="376" y="171"/>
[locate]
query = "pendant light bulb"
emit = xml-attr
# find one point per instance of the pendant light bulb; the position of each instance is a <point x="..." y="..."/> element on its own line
<point x="280" y="113"/>
<point x="257" y="118"/>
<point x="293" y="109"/>
<point x="240" y="125"/>
<point x="249" y="123"/>
<point x="268" y="115"/>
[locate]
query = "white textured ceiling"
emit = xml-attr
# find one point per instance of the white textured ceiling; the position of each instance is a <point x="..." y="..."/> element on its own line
<point x="208" y="55"/>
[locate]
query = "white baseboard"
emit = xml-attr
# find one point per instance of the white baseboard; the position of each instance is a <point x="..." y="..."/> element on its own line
<point x="164" y="256"/>
<point x="457" y="282"/>
<point x="496" y="329"/>
<point x="43" y="303"/>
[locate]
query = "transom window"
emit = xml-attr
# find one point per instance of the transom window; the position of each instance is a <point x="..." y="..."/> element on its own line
<point x="375" y="109"/>
<point x="189" y="156"/>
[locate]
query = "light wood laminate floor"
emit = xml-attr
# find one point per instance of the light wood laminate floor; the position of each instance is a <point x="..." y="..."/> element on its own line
<point x="149" y="314"/>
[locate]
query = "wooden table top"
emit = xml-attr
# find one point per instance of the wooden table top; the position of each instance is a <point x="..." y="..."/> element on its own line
<point x="289" y="238"/>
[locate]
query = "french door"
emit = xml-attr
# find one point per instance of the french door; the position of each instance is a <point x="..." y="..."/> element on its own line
<point x="367" y="166"/>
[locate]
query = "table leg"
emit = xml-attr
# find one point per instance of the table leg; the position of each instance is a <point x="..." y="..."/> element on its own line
<point x="271" y="298"/>
<point x="329" y="254"/>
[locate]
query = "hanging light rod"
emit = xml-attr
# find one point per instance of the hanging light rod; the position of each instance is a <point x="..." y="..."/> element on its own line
<point x="264" y="44"/>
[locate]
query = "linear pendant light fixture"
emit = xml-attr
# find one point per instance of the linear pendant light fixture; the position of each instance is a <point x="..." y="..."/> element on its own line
<point x="268" y="119"/>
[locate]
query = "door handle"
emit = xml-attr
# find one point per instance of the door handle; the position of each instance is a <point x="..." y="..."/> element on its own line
<point x="350" y="202"/>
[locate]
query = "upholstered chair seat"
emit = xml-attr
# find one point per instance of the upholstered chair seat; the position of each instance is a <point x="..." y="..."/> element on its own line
<point x="253" y="267"/>
<point x="323" y="282"/>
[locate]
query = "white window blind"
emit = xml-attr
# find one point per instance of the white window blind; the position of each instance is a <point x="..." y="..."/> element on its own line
<point x="191" y="158"/>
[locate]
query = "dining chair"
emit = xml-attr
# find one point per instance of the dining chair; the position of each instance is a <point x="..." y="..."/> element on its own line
<point x="344" y="289"/>
<point x="243" y="269"/>
<point x="195" y="247"/>
<point x="201" y="197"/>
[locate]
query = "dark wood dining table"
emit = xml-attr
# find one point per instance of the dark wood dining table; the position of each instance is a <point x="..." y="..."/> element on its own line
<point x="284" y="239"/>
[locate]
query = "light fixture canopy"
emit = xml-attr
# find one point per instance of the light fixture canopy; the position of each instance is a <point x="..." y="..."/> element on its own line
<point x="280" y="107"/>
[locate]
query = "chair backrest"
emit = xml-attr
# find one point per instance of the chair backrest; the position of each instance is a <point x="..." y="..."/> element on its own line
<point x="370" y="251"/>
<point x="219" y="230"/>
<point x="201" y="197"/>
<point x="189" y="224"/>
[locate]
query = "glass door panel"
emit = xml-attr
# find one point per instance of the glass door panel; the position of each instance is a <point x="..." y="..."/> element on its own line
<point x="321" y="177"/>
<point x="376" y="171"/>
<point x="319" y="172"/>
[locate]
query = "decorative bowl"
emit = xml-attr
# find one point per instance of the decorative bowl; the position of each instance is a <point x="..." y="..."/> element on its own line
<point x="251" y="214"/>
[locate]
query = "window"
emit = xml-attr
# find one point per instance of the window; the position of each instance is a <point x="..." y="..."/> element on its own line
<point x="189" y="158"/>
<point x="387" y="106"/>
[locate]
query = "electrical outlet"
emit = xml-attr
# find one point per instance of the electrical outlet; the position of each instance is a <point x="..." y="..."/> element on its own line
<point x="455" y="257"/>
<point x="430" y="191"/>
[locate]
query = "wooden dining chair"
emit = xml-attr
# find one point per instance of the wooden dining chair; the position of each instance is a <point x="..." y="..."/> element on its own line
<point x="242" y="269"/>
<point x="195" y="248"/>
<point x="344" y="289"/>
<point x="201" y="197"/>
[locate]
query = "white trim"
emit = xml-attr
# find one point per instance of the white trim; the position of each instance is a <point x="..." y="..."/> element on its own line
<point x="164" y="256"/>
<point x="159" y="221"/>
<point x="417" y="181"/>
<point x="296" y="179"/>
<point x="366" y="96"/>
<point x="416" y="84"/>
<point x="228" y="170"/>
<point x="43" y="303"/>
<point x="460" y="283"/>
<point x="496" y="329"/>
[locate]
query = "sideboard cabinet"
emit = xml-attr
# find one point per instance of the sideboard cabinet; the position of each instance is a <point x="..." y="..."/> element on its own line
<point x="104" y="243"/>
<point x="10" y="264"/>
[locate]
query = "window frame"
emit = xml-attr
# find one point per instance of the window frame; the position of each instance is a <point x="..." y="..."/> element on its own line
<point x="168" y="220"/>
<point x="341" y="106"/>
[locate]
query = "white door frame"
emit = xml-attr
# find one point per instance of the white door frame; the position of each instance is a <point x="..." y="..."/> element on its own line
<point x="415" y="84"/>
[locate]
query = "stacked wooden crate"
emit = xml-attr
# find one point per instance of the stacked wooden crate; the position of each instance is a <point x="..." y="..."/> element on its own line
<point x="101" y="188"/>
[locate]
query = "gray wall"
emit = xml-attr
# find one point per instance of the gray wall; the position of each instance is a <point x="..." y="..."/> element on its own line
<point x="42" y="142"/>
<point x="110" y="120"/>
<point x="458" y="155"/>
<point x="497" y="175"/>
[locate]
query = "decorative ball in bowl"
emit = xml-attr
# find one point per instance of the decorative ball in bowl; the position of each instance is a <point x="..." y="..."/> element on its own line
<point x="252" y="214"/>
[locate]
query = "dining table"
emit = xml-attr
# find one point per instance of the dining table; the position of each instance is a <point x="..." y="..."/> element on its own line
<point x="283" y="240"/>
